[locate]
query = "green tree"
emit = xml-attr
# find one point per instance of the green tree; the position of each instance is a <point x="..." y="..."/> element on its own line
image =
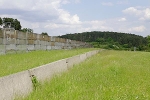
<point x="30" y="30"/>
<point x="12" y="23"/>
<point x="24" y="29"/>
<point x="0" y="21"/>
<point x="44" y="33"/>
<point x="27" y="30"/>
<point x="17" y="24"/>
<point x="148" y="40"/>
<point x="100" y="40"/>
<point x="8" y="22"/>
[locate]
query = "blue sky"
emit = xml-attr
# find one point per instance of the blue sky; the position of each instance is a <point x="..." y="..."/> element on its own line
<point x="58" y="17"/>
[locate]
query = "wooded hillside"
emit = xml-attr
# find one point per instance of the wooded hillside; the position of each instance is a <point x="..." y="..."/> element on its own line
<point x="113" y="40"/>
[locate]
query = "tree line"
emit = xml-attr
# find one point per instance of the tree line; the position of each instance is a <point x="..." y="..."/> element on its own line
<point x="10" y="22"/>
<point x="111" y="40"/>
<point x="15" y="23"/>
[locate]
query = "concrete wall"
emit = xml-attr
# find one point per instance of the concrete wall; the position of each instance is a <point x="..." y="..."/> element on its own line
<point x="72" y="61"/>
<point x="20" y="84"/>
<point x="47" y="71"/>
<point x="13" y="40"/>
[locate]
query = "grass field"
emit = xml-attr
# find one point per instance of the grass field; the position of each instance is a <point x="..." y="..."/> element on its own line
<point x="12" y="63"/>
<point x="109" y="75"/>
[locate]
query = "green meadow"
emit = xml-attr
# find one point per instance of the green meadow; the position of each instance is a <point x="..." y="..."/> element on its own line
<point x="12" y="63"/>
<point x="109" y="75"/>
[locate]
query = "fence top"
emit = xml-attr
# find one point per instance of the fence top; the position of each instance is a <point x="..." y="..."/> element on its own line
<point x="34" y="36"/>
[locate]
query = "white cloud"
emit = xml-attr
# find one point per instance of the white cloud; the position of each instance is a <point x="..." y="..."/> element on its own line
<point x="132" y="11"/>
<point x="137" y="29"/>
<point x="122" y="19"/>
<point x="147" y="13"/>
<point x="107" y="3"/>
<point x="49" y="16"/>
<point x="96" y="25"/>
<point x="41" y="11"/>
<point x="37" y="10"/>
<point x="66" y="18"/>
<point x="141" y="13"/>
<point x="96" y="22"/>
<point x="51" y="26"/>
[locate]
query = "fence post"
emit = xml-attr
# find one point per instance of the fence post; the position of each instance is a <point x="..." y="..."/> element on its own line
<point x="4" y="41"/>
<point x="27" y="41"/>
<point x="15" y="37"/>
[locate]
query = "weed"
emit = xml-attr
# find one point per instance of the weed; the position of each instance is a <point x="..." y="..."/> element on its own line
<point x="34" y="82"/>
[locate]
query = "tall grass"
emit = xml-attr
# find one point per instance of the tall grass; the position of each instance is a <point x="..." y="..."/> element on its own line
<point x="12" y="63"/>
<point x="109" y="75"/>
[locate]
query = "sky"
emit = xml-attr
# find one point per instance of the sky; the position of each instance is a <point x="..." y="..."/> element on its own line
<point x="60" y="17"/>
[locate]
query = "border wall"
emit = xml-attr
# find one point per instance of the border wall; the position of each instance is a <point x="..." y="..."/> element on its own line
<point x="20" y="84"/>
<point x="15" y="41"/>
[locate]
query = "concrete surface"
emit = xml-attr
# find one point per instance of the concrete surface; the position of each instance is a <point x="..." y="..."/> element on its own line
<point x="83" y="57"/>
<point x="72" y="61"/>
<point x="18" y="84"/>
<point x="47" y="71"/>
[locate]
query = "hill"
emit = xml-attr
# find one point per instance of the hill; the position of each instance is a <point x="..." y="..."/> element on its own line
<point x="111" y="40"/>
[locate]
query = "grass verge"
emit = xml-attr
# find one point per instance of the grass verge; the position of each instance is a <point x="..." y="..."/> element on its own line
<point x="12" y="63"/>
<point x="109" y="75"/>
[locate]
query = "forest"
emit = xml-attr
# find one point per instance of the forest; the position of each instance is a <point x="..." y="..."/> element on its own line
<point x="112" y="40"/>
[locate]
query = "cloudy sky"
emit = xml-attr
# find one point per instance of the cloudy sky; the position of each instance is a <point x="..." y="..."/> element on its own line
<point x="58" y="17"/>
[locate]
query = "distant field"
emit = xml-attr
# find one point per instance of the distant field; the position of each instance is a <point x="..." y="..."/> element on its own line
<point x="12" y="63"/>
<point x="109" y="75"/>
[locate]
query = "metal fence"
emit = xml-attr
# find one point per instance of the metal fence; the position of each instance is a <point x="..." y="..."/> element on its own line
<point x="15" y="41"/>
